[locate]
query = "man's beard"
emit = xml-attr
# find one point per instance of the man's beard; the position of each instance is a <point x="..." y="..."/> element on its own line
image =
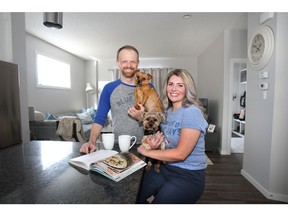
<point x="129" y="74"/>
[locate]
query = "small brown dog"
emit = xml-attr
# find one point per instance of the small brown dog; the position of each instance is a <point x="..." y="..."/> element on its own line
<point x="153" y="115"/>
<point x="145" y="94"/>
<point x="151" y="124"/>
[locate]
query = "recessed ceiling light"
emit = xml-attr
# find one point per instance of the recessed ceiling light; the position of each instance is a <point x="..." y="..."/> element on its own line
<point x="187" y="16"/>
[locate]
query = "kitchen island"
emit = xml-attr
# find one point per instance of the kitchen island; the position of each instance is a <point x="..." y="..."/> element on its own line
<point x="38" y="172"/>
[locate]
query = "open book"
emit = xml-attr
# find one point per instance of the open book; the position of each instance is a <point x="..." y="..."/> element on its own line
<point x="109" y="163"/>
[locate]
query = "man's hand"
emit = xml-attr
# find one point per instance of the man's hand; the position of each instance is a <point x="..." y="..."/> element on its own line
<point x="88" y="147"/>
<point x="136" y="114"/>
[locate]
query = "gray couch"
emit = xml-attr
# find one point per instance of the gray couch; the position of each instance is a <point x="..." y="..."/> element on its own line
<point x="45" y="129"/>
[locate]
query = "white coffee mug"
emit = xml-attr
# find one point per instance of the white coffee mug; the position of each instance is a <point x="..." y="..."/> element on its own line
<point x="125" y="142"/>
<point x="108" y="140"/>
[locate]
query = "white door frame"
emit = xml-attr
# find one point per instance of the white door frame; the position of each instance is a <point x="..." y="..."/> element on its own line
<point x="230" y="100"/>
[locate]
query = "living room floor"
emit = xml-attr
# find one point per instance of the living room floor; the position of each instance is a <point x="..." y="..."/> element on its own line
<point x="226" y="185"/>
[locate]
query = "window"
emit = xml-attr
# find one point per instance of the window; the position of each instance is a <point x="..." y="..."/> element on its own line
<point x="52" y="73"/>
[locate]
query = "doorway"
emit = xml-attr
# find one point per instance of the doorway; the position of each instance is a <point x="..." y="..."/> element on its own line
<point x="236" y="119"/>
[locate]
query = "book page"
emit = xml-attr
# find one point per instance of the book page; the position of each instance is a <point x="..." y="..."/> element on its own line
<point x="118" y="166"/>
<point x="85" y="160"/>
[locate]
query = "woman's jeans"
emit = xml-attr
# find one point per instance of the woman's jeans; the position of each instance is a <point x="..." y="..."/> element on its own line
<point x="172" y="185"/>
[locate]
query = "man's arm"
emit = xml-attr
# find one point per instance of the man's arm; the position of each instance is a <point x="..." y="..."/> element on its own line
<point x="90" y="146"/>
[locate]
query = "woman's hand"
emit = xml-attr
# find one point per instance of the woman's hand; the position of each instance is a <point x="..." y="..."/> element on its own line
<point x="136" y="114"/>
<point x="155" y="140"/>
<point x="141" y="149"/>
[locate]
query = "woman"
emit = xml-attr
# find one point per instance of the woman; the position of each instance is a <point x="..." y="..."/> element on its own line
<point x="182" y="178"/>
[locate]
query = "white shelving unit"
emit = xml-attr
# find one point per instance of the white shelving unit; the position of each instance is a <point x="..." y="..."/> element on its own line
<point x="238" y="125"/>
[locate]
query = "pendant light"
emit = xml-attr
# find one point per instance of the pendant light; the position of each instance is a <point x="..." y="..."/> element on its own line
<point x="53" y="19"/>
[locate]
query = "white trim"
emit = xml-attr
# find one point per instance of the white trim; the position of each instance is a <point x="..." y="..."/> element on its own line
<point x="266" y="193"/>
<point x="227" y="134"/>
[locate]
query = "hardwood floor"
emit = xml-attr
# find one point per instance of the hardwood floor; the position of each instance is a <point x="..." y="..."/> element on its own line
<point x="226" y="185"/>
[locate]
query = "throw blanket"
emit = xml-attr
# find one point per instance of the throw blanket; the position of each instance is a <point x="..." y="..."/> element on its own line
<point x="65" y="127"/>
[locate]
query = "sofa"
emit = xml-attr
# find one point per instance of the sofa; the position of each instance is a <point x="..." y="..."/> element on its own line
<point x="46" y="127"/>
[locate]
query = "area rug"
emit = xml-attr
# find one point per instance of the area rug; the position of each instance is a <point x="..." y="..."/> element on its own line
<point x="208" y="161"/>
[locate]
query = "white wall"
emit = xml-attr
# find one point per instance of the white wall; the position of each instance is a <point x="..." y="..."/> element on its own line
<point x="265" y="156"/>
<point x="19" y="54"/>
<point x="6" y="37"/>
<point x="213" y="78"/>
<point x="55" y="100"/>
<point x="279" y="148"/>
<point x="210" y="78"/>
<point x="279" y="159"/>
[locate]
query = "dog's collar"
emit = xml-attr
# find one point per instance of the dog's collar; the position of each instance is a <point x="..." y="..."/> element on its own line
<point x="146" y="133"/>
<point x="139" y="86"/>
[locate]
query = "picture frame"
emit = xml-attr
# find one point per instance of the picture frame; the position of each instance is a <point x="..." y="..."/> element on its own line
<point x="211" y="128"/>
<point x="242" y="114"/>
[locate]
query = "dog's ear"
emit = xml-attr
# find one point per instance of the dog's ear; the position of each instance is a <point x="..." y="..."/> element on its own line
<point x="163" y="117"/>
<point x="140" y="120"/>
<point x="149" y="76"/>
<point x="144" y="114"/>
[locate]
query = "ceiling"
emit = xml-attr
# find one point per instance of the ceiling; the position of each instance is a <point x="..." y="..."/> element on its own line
<point x="96" y="35"/>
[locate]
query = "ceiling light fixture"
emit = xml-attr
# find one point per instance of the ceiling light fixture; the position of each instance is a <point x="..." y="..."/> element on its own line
<point x="53" y="20"/>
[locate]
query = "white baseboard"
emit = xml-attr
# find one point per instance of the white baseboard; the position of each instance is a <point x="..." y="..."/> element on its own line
<point x="223" y="152"/>
<point x="266" y="193"/>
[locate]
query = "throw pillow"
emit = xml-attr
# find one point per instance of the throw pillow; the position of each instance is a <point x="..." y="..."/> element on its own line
<point x="50" y="116"/>
<point x="39" y="116"/>
<point x="92" y="112"/>
<point x="85" y="117"/>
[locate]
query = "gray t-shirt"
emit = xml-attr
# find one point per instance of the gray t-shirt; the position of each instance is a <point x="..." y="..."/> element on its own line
<point x="119" y="97"/>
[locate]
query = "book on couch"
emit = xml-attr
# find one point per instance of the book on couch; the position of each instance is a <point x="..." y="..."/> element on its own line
<point x="109" y="163"/>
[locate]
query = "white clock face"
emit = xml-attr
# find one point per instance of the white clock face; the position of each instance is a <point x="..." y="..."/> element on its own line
<point x="261" y="47"/>
<point x="257" y="48"/>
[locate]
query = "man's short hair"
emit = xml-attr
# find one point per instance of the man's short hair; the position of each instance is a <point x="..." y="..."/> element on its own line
<point x="128" y="47"/>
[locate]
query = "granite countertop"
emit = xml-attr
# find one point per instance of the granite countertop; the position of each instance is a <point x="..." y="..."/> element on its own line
<point x="39" y="172"/>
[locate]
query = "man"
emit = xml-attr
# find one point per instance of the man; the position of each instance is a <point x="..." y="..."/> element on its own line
<point x="119" y="97"/>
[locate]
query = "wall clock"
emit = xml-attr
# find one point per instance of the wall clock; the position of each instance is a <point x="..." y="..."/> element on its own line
<point x="261" y="47"/>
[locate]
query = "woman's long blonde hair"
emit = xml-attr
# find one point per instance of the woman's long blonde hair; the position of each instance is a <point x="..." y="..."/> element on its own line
<point x="191" y="96"/>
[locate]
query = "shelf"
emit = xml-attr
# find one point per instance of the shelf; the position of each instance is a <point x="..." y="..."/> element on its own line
<point x="238" y="120"/>
<point x="239" y="134"/>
